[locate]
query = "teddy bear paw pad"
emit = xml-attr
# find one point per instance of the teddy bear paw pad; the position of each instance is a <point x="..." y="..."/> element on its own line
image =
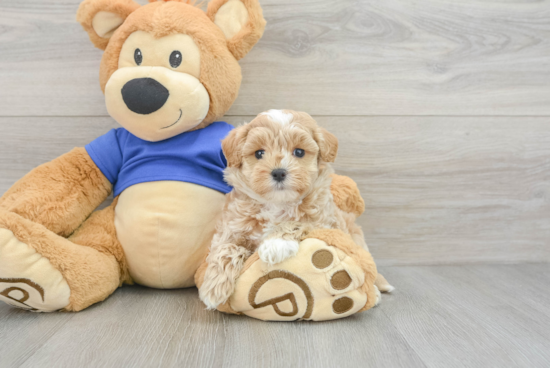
<point x="319" y="283"/>
<point x="27" y="279"/>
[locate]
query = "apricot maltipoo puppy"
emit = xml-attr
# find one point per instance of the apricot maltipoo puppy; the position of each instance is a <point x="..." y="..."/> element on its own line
<point x="278" y="167"/>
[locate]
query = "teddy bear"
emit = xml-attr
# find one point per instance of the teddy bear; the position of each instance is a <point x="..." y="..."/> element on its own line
<point x="169" y="71"/>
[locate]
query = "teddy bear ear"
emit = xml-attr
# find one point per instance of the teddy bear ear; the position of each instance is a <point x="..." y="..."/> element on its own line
<point x="241" y="21"/>
<point x="101" y="18"/>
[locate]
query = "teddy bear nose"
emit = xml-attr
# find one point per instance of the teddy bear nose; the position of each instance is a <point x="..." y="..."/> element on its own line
<point x="279" y="175"/>
<point x="144" y="95"/>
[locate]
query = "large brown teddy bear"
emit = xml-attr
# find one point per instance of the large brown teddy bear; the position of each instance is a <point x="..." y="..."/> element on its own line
<point x="169" y="71"/>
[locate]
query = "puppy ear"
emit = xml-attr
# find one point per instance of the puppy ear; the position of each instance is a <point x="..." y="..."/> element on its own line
<point x="101" y="18"/>
<point x="241" y="21"/>
<point x="232" y="147"/>
<point x="328" y="144"/>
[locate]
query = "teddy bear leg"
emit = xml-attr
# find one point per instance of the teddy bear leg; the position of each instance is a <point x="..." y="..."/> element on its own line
<point x="99" y="233"/>
<point x="44" y="272"/>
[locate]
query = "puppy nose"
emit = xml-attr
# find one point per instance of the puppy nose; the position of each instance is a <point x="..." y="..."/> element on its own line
<point x="279" y="175"/>
<point x="144" y="95"/>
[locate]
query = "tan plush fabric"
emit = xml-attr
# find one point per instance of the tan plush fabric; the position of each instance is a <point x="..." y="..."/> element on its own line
<point x="220" y="72"/>
<point x="90" y="8"/>
<point x="23" y="268"/>
<point x="105" y="24"/>
<point x="60" y="194"/>
<point x="165" y="229"/>
<point x="330" y="278"/>
<point x="187" y="94"/>
<point x="57" y="199"/>
<point x="298" y="289"/>
<point x="99" y="232"/>
<point x="346" y="244"/>
<point x="346" y="195"/>
<point x="231" y="18"/>
<point x="155" y="52"/>
<point x="243" y="41"/>
<point x="91" y="275"/>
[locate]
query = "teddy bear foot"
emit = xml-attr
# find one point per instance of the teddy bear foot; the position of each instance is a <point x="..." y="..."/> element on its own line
<point x="27" y="279"/>
<point x="330" y="277"/>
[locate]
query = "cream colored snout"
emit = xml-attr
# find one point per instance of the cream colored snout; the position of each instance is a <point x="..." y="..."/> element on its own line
<point x="155" y="103"/>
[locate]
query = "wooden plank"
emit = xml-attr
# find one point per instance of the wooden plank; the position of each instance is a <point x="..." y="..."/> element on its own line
<point x="521" y="282"/>
<point x="136" y="327"/>
<point x="452" y="320"/>
<point x="437" y="189"/>
<point x="450" y="190"/>
<point x="28" y="142"/>
<point x="140" y="327"/>
<point x="350" y="57"/>
<point x="451" y="316"/>
<point x="365" y="340"/>
<point x="22" y="333"/>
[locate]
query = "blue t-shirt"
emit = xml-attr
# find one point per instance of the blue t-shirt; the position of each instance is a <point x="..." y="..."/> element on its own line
<point x="193" y="157"/>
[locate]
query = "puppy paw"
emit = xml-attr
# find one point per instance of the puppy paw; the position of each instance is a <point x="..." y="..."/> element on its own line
<point x="273" y="251"/>
<point x="216" y="289"/>
<point x="211" y="300"/>
<point x="215" y="295"/>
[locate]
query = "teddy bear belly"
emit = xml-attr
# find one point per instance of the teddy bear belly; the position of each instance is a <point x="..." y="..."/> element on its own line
<point x="165" y="229"/>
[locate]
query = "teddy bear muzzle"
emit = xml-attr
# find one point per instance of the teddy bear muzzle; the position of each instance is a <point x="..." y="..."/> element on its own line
<point x="155" y="103"/>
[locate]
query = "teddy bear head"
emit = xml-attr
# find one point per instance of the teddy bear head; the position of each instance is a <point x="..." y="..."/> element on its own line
<point x="169" y="67"/>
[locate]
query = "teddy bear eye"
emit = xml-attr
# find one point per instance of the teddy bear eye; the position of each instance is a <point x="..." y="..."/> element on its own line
<point x="175" y="59"/>
<point x="298" y="152"/>
<point x="259" y="154"/>
<point x="138" y="57"/>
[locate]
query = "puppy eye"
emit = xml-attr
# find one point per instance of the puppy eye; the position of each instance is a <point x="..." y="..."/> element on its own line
<point x="175" y="59"/>
<point x="138" y="57"/>
<point x="259" y="154"/>
<point x="298" y="152"/>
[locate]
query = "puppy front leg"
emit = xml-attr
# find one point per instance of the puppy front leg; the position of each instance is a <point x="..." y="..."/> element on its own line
<point x="281" y="241"/>
<point x="225" y="263"/>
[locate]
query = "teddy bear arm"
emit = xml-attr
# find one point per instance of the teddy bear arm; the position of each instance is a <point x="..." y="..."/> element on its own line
<point x="59" y="194"/>
<point x="346" y="195"/>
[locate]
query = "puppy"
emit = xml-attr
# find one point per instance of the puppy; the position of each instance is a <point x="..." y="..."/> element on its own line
<point x="278" y="165"/>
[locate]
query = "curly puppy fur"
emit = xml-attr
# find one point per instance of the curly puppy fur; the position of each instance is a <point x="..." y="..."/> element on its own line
<point x="270" y="215"/>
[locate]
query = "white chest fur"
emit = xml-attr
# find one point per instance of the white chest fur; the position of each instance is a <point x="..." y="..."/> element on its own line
<point x="165" y="229"/>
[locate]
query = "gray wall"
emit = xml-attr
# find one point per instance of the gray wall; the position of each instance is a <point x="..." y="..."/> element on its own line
<point x="442" y="109"/>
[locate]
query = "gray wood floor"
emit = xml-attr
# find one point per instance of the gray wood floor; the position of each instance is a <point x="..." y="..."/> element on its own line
<point x="440" y="316"/>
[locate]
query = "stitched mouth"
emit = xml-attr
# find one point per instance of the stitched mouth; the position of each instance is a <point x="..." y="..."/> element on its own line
<point x="177" y="121"/>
